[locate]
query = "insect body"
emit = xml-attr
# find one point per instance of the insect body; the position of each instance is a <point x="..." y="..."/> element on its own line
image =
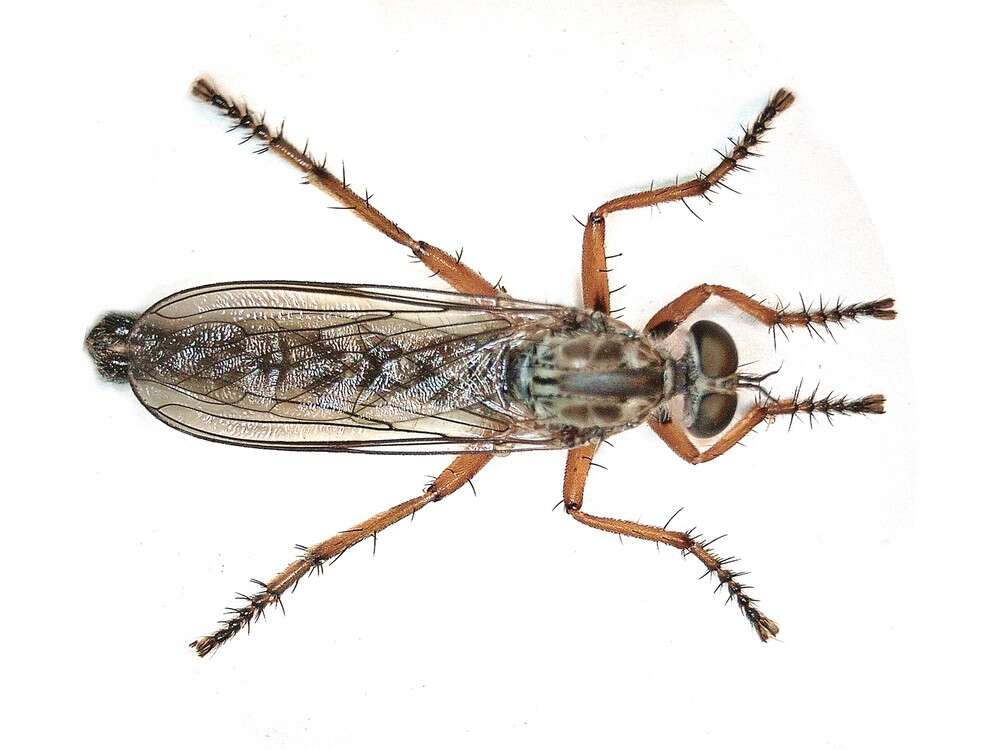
<point x="379" y="369"/>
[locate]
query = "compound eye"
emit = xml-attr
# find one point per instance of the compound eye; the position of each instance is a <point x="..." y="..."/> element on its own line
<point x="715" y="412"/>
<point x="716" y="349"/>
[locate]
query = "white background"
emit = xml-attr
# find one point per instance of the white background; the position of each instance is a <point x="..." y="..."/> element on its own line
<point x="490" y="620"/>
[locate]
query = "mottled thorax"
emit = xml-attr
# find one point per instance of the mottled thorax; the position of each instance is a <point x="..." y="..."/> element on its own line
<point x="596" y="379"/>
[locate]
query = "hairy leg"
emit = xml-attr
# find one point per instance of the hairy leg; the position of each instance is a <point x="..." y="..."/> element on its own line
<point x="575" y="478"/>
<point x="458" y="473"/>
<point x="596" y="294"/>
<point x="670" y="316"/>
<point x="577" y="467"/>
<point x="687" y="543"/>
<point x="450" y="268"/>
<point x="811" y="406"/>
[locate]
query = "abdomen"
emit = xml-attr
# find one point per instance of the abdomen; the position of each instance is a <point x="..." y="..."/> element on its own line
<point x="336" y="367"/>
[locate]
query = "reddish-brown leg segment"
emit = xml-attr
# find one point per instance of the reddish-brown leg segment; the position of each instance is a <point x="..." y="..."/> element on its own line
<point x="669" y="317"/>
<point x="458" y="473"/>
<point x="596" y="294"/>
<point x="577" y="468"/>
<point x="676" y="438"/>
<point x="765" y="627"/>
<point x="450" y="268"/>
<point x="822" y="316"/>
<point x="575" y="478"/>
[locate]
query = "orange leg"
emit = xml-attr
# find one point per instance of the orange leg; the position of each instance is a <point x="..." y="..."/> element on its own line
<point x="596" y="294"/>
<point x="578" y="466"/>
<point x="673" y="314"/>
<point x="669" y="317"/>
<point x="577" y="469"/>
<point x="676" y="438"/>
<point x="450" y="268"/>
<point x="458" y="473"/>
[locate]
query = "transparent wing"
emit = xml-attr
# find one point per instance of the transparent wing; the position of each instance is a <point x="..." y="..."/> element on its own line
<point x="338" y="367"/>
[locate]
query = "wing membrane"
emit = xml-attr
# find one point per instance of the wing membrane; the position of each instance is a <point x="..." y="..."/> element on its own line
<point x="338" y="367"/>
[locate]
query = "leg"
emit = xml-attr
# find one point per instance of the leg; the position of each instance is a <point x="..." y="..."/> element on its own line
<point x="575" y="478"/>
<point x="459" y="276"/>
<point x="676" y="438"/>
<point x="672" y="315"/>
<point x="596" y="295"/>
<point x="765" y="627"/>
<point x="461" y="470"/>
<point x="577" y="467"/>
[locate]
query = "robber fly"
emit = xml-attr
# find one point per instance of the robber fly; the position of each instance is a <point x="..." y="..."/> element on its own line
<point x="474" y="372"/>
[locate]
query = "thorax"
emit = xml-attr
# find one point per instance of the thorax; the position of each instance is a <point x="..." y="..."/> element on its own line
<point x="594" y="378"/>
